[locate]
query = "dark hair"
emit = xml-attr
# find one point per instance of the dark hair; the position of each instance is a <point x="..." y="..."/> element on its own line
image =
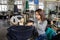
<point x="40" y="12"/>
<point x="49" y="22"/>
<point x="54" y="22"/>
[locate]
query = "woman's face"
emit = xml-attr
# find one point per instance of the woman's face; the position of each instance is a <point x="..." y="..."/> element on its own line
<point x="38" y="17"/>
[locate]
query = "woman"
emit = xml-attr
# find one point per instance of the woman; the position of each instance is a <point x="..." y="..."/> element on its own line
<point x="40" y="24"/>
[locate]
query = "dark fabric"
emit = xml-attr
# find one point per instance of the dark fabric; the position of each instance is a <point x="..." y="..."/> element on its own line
<point x="15" y="8"/>
<point x="20" y="32"/>
<point x="14" y="20"/>
<point x="50" y="33"/>
<point x="57" y="37"/>
<point x="42" y="37"/>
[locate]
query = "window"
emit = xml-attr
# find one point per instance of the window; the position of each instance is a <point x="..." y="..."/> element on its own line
<point x="3" y="5"/>
<point x="31" y="5"/>
<point x="3" y="8"/>
<point x="3" y="1"/>
<point x="19" y="4"/>
<point x="41" y="5"/>
<point x="51" y="5"/>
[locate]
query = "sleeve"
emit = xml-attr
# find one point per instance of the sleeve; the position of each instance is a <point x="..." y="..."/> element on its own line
<point x="10" y="34"/>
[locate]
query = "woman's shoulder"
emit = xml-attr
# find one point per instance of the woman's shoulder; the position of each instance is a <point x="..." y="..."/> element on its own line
<point x="45" y="21"/>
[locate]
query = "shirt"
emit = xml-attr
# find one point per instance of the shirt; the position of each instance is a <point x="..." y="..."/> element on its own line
<point x="14" y="19"/>
<point x="41" y="26"/>
<point x="50" y="33"/>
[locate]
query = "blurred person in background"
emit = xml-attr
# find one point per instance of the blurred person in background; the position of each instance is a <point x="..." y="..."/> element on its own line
<point x="15" y="19"/>
<point x="51" y="31"/>
<point x="22" y="32"/>
<point x="57" y="37"/>
<point x="21" y="21"/>
<point x="41" y="24"/>
<point x="53" y="23"/>
<point x="30" y="23"/>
